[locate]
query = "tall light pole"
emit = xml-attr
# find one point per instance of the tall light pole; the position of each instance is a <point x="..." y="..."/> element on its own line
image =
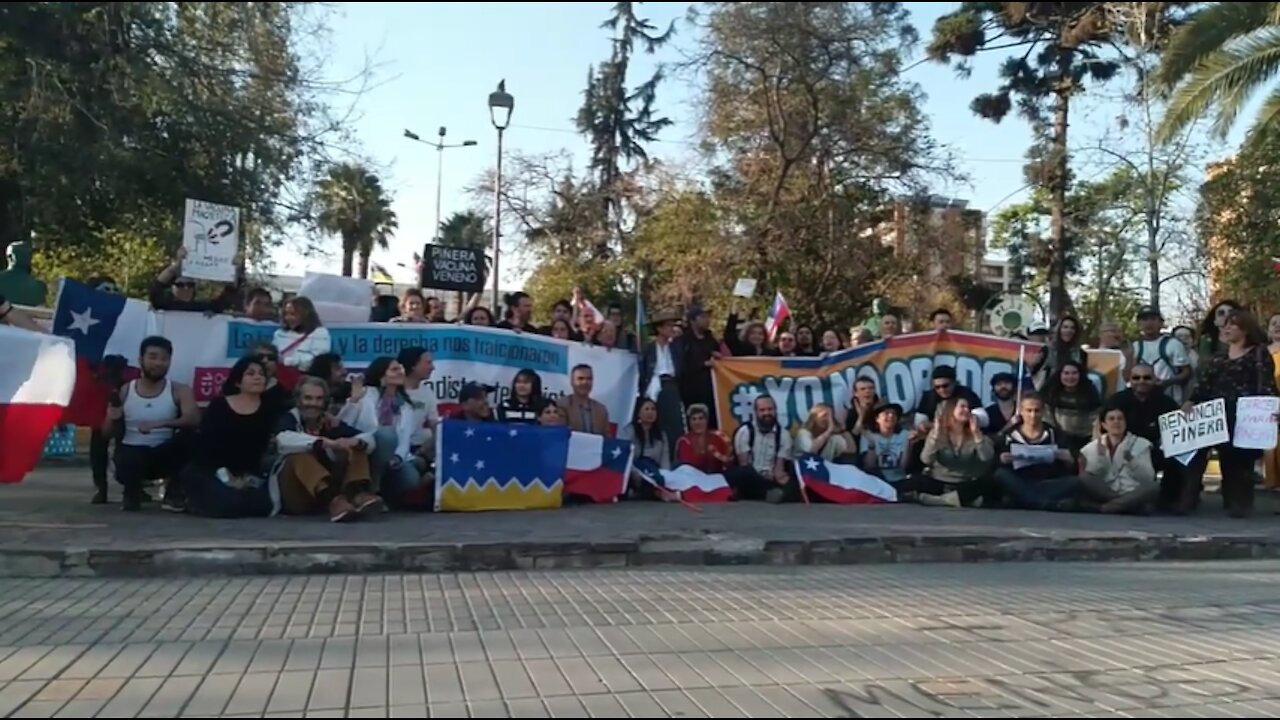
<point x="440" y="147"/>
<point x="500" y="106"/>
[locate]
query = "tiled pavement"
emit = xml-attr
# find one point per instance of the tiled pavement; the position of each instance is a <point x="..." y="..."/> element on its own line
<point x="1029" y="640"/>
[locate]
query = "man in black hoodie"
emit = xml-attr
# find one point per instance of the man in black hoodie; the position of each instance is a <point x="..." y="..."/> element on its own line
<point x="1142" y="405"/>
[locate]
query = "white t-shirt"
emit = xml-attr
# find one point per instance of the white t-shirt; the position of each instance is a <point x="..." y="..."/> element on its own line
<point x="1166" y="355"/>
<point x="424" y="396"/>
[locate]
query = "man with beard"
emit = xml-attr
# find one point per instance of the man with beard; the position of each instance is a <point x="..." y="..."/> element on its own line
<point x="147" y="415"/>
<point x="1143" y="403"/>
<point x="1002" y="414"/>
<point x="763" y="449"/>
<point x="323" y="462"/>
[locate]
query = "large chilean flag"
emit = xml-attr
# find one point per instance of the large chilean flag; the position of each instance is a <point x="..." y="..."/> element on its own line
<point x="100" y="324"/>
<point x="37" y="372"/>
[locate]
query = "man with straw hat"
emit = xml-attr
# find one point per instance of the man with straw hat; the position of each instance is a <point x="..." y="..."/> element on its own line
<point x="660" y="367"/>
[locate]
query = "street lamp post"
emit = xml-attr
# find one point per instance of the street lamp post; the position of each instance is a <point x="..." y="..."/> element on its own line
<point x="440" y="147"/>
<point x="500" y="106"/>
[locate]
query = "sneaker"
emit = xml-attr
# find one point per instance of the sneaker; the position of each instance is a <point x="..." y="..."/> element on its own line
<point x="341" y="510"/>
<point x="367" y="502"/>
<point x="952" y="499"/>
<point x="174" y="505"/>
<point x="131" y="504"/>
<point x="932" y="500"/>
<point x="99" y="497"/>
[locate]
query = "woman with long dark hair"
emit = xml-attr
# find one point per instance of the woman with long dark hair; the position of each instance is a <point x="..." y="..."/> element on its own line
<point x="1242" y="367"/>
<point x="1211" y="328"/>
<point x="1065" y="347"/>
<point x="381" y="405"/>
<point x="526" y="399"/>
<point x="301" y="336"/>
<point x="806" y="344"/>
<point x="226" y="476"/>
<point x="648" y="443"/>
<point x="1072" y="403"/>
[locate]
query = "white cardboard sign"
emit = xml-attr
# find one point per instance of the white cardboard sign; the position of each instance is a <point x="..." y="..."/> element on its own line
<point x="1256" y="427"/>
<point x="745" y="288"/>
<point x="1206" y="426"/>
<point x="211" y="236"/>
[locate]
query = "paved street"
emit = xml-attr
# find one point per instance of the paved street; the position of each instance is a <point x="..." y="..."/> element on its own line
<point x="1029" y="640"/>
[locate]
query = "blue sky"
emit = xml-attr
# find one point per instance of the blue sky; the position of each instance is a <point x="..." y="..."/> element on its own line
<point x="435" y="64"/>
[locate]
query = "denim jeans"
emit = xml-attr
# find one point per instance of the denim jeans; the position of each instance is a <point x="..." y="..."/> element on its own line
<point x="390" y="483"/>
<point x="1037" y="494"/>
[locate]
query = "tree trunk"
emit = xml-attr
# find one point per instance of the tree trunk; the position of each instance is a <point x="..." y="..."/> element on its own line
<point x="1059" y="296"/>
<point x="364" y="266"/>
<point x="348" y="255"/>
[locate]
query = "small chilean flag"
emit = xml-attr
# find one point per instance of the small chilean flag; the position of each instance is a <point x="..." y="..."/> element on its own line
<point x="687" y="482"/>
<point x="37" y="374"/>
<point x="842" y="484"/>
<point x="597" y="467"/>
<point x="778" y="315"/>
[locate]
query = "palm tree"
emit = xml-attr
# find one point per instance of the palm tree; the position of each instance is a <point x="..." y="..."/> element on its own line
<point x="353" y="205"/>
<point x="1215" y="64"/>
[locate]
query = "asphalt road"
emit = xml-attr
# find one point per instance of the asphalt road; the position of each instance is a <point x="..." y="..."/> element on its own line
<point x="1052" y="640"/>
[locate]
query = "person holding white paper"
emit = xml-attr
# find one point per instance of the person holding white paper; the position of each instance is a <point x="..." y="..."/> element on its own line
<point x="1117" y="467"/>
<point x="1049" y="481"/>
<point x="1242" y="367"/>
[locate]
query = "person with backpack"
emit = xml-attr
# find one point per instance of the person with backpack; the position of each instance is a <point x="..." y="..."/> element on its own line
<point x="1165" y="353"/>
<point x="763" y="450"/>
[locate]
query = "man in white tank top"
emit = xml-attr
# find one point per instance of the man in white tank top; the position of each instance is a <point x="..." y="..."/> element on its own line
<point x="147" y="416"/>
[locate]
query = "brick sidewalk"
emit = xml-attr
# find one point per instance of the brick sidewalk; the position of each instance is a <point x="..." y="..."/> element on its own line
<point x="47" y="527"/>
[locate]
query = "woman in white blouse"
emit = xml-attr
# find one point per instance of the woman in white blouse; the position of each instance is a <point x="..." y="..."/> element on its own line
<point x="301" y="337"/>
<point x="379" y="404"/>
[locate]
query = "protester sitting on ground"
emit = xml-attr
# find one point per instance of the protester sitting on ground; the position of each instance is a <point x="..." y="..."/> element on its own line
<point x="259" y="305"/>
<point x="1117" y="467"/>
<point x="171" y="290"/>
<point x="1165" y="353"/>
<point x="380" y="405"/>
<point x="885" y="447"/>
<point x="648" y="442"/>
<point x="763" y="451"/>
<point x="550" y="415"/>
<point x="301" y="336"/>
<point x="277" y="398"/>
<point x="943" y="387"/>
<point x="413" y="307"/>
<point x="1242" y="369"/>
<point x="861" y="417"/>
<point x="478" y="316"/>
<point x="1072" y="402"/>
<point x="1142" y="406"/>
<point x="787" y="344"/>
<point x="473" y="404"/>
<point x="419" y="365"/>
<point x="322" y="463"/>
<point x="959" y="458"/>
<point x="702" y="447"/>
<point x="526" y="399"/>
<point x="148" y="416"/>
<point x="582" y="413"/>
<point x="329" y="368"/>
<point x="1002" y="414"/>
<point x="227" y="474"/>
<point x="1035" y="471"/>
<point x="821" y="435"/>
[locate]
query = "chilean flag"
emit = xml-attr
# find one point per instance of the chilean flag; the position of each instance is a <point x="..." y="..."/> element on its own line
<point x="842" y="484"/>
<point x="687" y="482"/>
<point x="37" y="373"/>
<point x="778" y="315"/>
<point x="597" y="467"/>
<point x="100" y="324"/>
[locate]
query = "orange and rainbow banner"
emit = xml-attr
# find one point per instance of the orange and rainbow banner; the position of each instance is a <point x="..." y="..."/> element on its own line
<point x="901" y="368"/>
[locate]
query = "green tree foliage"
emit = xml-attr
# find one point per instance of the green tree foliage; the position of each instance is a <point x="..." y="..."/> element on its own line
<point x="813" y="131"/>
<point x="352" y="204"/>
<point x="1218" y="63"/>
<point x="1238" y="213"/>
<point x="467" y="229"/>
<point x="619" y="120"/>
<point x="1053" y="50"/>
<point x="111" y="114"/>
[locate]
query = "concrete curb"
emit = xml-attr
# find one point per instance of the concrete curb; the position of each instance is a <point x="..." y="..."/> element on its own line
<point x="710" y="549"/>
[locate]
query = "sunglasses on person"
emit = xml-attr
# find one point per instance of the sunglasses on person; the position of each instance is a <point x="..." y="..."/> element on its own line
<point x="268" y="357"/>
<point x="1142" y="378"/>
<point x="185" y="284"/>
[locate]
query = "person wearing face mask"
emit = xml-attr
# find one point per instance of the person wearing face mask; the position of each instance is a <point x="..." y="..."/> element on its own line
<point x="226" y="477"/>
<point x="322" y="463"/>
